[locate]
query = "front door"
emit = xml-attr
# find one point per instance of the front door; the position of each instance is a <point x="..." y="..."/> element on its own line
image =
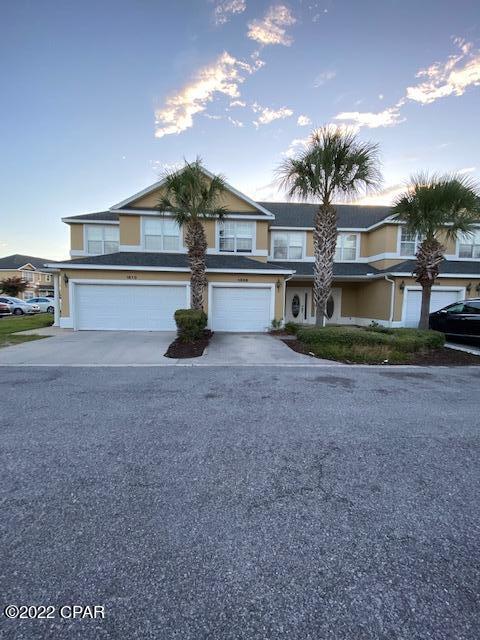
<point x="298" y="303"/>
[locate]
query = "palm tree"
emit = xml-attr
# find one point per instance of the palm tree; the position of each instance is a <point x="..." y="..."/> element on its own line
<point x="432" y="207"/>
<point x="335" y="164"/>
<point x="13" y="286"/>
<point x="193" y="195"/>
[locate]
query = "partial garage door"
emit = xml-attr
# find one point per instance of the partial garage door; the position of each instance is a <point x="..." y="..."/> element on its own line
<point x="128" y="307"/>
<point x="440" y="298"/>
<point x="240" y="308"/>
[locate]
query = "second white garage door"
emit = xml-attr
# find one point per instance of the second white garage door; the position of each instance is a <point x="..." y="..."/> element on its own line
<point x="128" y="307"/>
<point x="440" y="298"/>
<point x="240" y="308"/>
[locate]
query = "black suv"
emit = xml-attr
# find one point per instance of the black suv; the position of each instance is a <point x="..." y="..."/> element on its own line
<point x="458" y="319"/>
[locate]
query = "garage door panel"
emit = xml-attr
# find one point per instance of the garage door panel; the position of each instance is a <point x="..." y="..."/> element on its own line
<point x="439" y="299"/>
<point x="241" y="309"/>
<point x="128" y="307"/>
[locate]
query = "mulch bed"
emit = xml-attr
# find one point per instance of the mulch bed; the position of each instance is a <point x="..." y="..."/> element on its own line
<point x="179" y="349"/>
<point x="439" y="357"/>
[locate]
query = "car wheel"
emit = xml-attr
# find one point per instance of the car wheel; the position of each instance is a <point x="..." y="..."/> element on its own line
<point x="17" y="312"/>
<point x="50" y="309"/>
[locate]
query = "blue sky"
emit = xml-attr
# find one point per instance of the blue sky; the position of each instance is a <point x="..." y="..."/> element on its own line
<point x="99" y="97"/>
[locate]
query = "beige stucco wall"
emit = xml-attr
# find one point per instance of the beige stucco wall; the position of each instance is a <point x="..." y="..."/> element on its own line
<point x="380" y="240"/>
<point x="130" y="230"/>
<point x="76" y="237"/>
<point x="228" y="200"/>
<point x="166" y="276"/>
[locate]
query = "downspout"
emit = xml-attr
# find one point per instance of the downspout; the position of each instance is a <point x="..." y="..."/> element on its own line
<point x="392" y="300"/>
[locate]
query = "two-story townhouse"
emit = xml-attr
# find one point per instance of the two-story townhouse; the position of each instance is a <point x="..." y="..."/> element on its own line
<point x="31" y="270"/>
<point x="129" y="267"/>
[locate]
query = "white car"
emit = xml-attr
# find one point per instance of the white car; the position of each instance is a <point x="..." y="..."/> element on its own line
<point x="19" y="307"/>
<point x="45" y="304"/>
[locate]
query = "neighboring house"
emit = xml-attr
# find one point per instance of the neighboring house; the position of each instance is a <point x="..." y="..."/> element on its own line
<point x="30" y="269"/>
<point x="129" y="267"/>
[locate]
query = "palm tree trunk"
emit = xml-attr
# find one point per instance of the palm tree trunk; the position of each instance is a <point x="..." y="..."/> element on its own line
<point x="429" y="256"/>
<point x="197" y="249"/>
<point x="324" y="244"/>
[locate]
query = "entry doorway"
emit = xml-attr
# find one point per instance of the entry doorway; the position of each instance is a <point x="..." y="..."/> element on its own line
<point x="299" y="306"/>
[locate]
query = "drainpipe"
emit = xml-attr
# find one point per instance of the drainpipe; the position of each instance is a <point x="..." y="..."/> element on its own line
<point x="392" y="300"/>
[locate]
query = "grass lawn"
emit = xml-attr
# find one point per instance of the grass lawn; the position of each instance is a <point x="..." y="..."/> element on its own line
<point x="11" y="326"/>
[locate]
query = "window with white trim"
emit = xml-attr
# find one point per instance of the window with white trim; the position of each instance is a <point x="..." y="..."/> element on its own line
<point x="28" y="276"/>
<point x="235" y="237"/>
<point x="288" y="245"/>
<point x="102" y="239"/>
<point x="409" y="242"/>
<point x="346" y="248"/>
<point x="469" y="245"/>
<point x="161" y="234"/>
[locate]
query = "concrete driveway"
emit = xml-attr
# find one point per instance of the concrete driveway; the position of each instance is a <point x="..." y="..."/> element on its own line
<point x="242" y="503"/>
<point x="143" y="348"/>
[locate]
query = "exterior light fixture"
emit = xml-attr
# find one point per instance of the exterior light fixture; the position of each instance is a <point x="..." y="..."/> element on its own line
<point x="402" y="285"/>
<point x="468" y="288"/>
<point x="279" y="284"/>
<point x="65" y="278"/>
<point x="477" y="288"/>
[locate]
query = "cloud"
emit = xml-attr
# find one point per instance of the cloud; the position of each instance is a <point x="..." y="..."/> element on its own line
<point x="452" y="77"/>
<point x="271" y="28"/>
<point x="387" y="118"/>
<point x="237" y="103"/>
<point x="268" y="115"/>
<point x="225" y="9"/>
<point x="462" y="172"/>
<point x="303" y="121"/>
<point x="384" y="197"/>
<point x="236" y="123"/>
<point x="324" y="77"/>
<point x="221" y="77"/>
<point x="296" y="145"/>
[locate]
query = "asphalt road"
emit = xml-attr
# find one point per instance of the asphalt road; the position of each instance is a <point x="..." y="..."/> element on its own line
<point x="242" y="503"/>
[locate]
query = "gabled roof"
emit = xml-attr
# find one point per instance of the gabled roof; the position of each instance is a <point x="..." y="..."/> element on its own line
<point x="153" y="187"/>
<point x="132" y="259"/>
<point x="17" y="261"/>
<point x="110" y="216"/>
<point x="349" y="216"/>
<point x="347" y="269"/>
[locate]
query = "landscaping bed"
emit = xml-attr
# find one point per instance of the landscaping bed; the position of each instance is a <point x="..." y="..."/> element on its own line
<point x="10" y="328"/>
<point x="378" y="345"/>
<point x="193" y="349"/>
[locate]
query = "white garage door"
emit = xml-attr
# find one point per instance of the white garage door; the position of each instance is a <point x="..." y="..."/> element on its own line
<point x="240" y="308"/>
<point x="440" y="298"/>
<point x="128" y="307"/>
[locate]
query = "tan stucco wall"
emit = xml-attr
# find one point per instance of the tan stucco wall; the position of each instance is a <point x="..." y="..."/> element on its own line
<point x="228" y="200"/>
<point x="165" y="276"/>
<point x="76" y="237"/>
<point x="130" y="230"/>
<point x="309" y="244"/>
<point x="381" y="240"/>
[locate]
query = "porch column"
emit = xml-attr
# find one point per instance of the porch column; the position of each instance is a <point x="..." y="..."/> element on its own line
<point x="56" y="297"/>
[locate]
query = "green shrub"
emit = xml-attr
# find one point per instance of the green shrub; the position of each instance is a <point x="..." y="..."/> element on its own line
<point x="398" y="340"/>
<point x="361" y="354"/>
<point x="276" y="324"/>
<point x="291" y="327"/>
<point x="190" y="324"/>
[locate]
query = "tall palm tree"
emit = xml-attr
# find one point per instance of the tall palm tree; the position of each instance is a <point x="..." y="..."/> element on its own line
<point x="433" y="206"/>
<point x="193" y="195"/>
<point x="335" y="164"/>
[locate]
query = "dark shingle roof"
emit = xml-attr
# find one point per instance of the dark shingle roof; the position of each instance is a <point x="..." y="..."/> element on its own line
<point x="446" y="267"/>
<point x="299" y="214"/>
<point x="339" y="268"/>
<point x="18" y="260"/>
<point x="99" y="215"/>
<point x="174" y="260"/>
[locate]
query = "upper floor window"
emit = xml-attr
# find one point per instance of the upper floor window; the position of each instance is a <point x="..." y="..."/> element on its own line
<point x="28" y="276"/>
<point x="346" y="247"/>
<point x="101" y="240"/>
<point x="288" y="246"/>
<point x="409" y="242"/>
<point x="469" y="245"/>
<point x="48" y="277"/>
<point x="236" y="237"/>
<point x="161" y="234"/>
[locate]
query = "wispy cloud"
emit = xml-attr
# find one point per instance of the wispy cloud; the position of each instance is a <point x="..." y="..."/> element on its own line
<point x="384" y="197"/>
<point x="467" y="170"/>
<point x="221" y="77"/>
<point x="324" y="77"/>
<point x="225" y="9"/>
<point x="237" y="103"/>
<point x="236" y="123"/>
<point x="452" y="77"/>
<point x="271" y="29"/>
<point x="303" y="121"/>
<point x="296" y="145"/>
<point x="268" y="115"/>
<point x="386" y="118"/>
